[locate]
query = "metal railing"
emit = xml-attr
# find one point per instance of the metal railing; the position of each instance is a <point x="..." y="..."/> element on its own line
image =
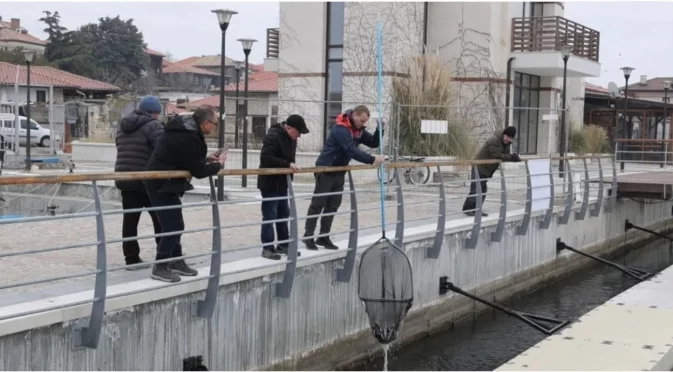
<point x="413" y="206"/>
<point x="543" y="34"/>
<point x="643" y="151"/>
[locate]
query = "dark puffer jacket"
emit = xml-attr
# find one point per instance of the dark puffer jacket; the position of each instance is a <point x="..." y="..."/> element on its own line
<point x="136" y="137"/>
<point x="494" y="148"/>
<point x="278" y="151"/>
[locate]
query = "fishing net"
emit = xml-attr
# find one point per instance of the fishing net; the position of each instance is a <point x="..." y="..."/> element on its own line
<point x="385" y="287"/>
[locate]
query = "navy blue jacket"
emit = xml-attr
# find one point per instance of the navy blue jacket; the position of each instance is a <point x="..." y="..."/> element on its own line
<point x="343" y="141"/>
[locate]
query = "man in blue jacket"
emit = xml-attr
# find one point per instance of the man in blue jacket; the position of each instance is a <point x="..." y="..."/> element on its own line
<point x="341" y="146"/>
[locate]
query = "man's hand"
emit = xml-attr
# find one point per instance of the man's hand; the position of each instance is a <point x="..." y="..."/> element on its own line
<point x="516" y="158"/>
<point x="378" y="159"/>
<point x="382" y="123"/>
<point x="222" y="157"/>
<point x="214" y="156"/>
<point x="295" y="167"/>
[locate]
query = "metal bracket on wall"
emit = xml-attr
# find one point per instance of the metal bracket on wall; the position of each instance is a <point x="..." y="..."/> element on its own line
<point x="546" y="221"/>
<point x="523" y="228"/>
<point x="496" y="236"/>
<point x="471" y="242"/>
<point x="579" y="216"/>
<point x="599" y="202"/>
<point x="399" y="227"/>
<point x="284" y="289"/>
<point x="565" y="217"/>
<point x="630" y="271"/>
<point x="433" y="252"/>
<point x="343" y="274"/>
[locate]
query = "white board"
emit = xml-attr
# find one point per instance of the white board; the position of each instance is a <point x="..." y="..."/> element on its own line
<point x="540" y="184"/>
<point x="434" y="126"/>
<point x="549" y="117"/>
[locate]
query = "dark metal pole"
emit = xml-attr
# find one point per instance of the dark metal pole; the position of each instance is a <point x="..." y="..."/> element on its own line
<point x="562" y="152"/>
<point x="626" y="120"/>
<point x="244" y="180"/>
<point x="28" y="116"/>
<point x="220" y="122"/>
<point x="508" y="90"/>
<point x="663" y="128"/>
<point x="238" y="80"/>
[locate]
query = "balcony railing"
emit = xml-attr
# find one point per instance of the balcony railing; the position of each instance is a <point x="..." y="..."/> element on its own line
<point x="544" y="34"/>
<point x="272" y="41"/>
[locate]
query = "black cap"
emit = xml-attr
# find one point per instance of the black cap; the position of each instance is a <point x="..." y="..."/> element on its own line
<point x="510" y="132"/>
<point x="297" y="122"/>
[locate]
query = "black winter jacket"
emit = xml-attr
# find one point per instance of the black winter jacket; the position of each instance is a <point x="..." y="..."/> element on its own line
<point x="494" y="148"/>
<point x="135" y="139"/>
<point x="278" y="151"/>
<point x="181" y="147"/>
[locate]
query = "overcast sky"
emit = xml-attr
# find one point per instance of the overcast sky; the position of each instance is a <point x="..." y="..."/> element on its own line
<point x="638" y="34"/>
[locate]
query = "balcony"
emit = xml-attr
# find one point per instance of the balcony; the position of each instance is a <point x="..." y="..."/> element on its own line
<point x="537" y="42"/>
<point x="272" y="39"/>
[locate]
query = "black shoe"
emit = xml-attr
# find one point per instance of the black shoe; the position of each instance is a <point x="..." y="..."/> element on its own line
<point x="270" y="253"/>
<point x="309" y="243"/>
<point x="470" y="213"/>
<point x="180" y="267"/>
<point x="484" y="214"/>
<point x="326" y="243"/>
<point x="282" y="249"/>
<point x="163" y="272"/>
<point x="134" y="261"/>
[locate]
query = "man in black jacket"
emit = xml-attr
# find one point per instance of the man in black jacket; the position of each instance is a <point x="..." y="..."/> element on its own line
<point x="278" y="151"/>
<point x="136" y="137"/>
<point x="181" y="147"/>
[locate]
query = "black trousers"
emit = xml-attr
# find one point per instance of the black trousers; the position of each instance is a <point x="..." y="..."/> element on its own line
<point x="324" y="183"/>
<point x="471" y="200"/>
<point x="171" y="221"/>
<point x="134" y="200"/>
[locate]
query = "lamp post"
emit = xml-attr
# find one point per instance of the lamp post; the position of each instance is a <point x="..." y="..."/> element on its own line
<point x="28" y="54"/>
<point x="565" y="54"/>
<point x="223" y="17"/>
<point x="237" y="65"/>
<point x="247" y="46"/>
<point x="667" y="86"/>
<point x="627" y="74"/>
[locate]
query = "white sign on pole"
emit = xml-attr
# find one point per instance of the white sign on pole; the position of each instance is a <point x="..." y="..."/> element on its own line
<point x="549" y="117"/>
<point x="434" y="126"/>
<point x="540" y="183"/>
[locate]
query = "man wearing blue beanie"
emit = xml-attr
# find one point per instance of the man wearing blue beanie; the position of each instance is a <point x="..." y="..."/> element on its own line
<point x="136" y="137"/>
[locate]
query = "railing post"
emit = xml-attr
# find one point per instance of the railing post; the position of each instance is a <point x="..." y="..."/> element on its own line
<point x="599" y="202"/>
<point x="284" y="288"/>
<point x="523" y="228"/>
<point x="471" y="242"/>
<point x="585" y="198"/>
<point x="496" y="236"/>
<point x="399" y="227"/>
<point x="204" y="308"/>
<point x="612" y="199"/>
<point x="621" y="163"/>
<point x="344" y="273"/>
<point x="544" y="224"/>
<point x="563" y="219"/>
<point x="89" y="336"/>
<point x="433" y="252"/>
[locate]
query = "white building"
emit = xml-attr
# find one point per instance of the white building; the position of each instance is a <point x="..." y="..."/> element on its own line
<point x="327" y="51"/>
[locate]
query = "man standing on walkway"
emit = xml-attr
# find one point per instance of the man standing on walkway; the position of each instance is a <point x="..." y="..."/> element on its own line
<point x="341" y="146"/>
<point x="181" y="147"/>
<point x="135" y="139"/>
<point x="278" y="151"/>
<point x="497" y="147"/>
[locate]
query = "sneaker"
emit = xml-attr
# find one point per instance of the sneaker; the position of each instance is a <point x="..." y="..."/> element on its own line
<point x="163" y="272"/>
<point x="180" y="267"/>
<point x="282" y="249"/>
<point x="472" y="213"/>
<point x="134" y="261"/>
<point x="326" y="242"/>
<point x="309" y="243"/>
<point x="270" y="253"/>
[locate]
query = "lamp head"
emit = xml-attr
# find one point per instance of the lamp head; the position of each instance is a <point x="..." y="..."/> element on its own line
<point x="667" y="85"/>
<point x="29" y="55"/>
<point x="247" y="45"/>
<point x="565" y="51"/>
<point x="627" y="71"/>
<point x="238" y="65"/>
<point x="224" y="17"/>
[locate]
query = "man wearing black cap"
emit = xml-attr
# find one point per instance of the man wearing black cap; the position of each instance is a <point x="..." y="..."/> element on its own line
<point x="278" y="151"/>
<point x="496" y="147"/>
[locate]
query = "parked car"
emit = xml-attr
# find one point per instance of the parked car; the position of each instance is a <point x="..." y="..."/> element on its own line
<point x="39" y="135"/>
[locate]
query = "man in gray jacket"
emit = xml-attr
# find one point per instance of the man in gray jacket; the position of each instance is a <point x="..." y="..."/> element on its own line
<point x="497" y="147"/>
<point x="136" y="137"/>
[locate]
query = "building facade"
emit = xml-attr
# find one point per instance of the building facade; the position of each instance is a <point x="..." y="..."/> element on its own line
<point x="13" y="36"/>
<point x="327" y="63"/>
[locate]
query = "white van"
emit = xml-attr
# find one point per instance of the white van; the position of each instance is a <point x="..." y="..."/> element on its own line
<point x="38" y="135"/>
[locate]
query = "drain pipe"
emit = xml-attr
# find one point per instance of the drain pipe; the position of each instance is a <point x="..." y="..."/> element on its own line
<point x="509" y="90"/>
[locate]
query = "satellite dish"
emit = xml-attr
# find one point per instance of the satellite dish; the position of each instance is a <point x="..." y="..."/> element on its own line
<point x="613" y="90"/>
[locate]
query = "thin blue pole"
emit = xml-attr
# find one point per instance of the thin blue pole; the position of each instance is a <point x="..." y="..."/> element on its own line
<point x="379" y="72"/>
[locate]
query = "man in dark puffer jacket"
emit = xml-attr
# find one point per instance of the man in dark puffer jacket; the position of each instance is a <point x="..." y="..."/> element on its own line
<point x="136" y="136"/>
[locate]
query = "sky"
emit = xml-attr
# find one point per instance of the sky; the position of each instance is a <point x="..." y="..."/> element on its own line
<point x="637" y="34"/>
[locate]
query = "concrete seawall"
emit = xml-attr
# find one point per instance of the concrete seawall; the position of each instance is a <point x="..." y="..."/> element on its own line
<point x="322" y="325"/>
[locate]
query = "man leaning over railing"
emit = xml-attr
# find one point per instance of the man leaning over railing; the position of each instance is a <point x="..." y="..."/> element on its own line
<point x="497" y="147"/>
<point x="278" y="151"/>
<point x="181" y="147"/>
<point x="341" y="146"/>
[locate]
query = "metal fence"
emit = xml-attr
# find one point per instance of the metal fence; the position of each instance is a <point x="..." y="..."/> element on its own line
<point x="643" y="152"/>
<point x="221" y="231"/>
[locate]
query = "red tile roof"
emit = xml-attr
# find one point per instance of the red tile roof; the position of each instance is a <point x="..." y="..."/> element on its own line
<point x="186" y="61"/>
<point x="176" y="68"/>
<point x="206" y="61"/>
<point x="153" y="52"/>
<point x="172" y="109"/>
<point x="46" y="76"/>
<point x="11" y="35"/>
<point x="165" y="62"/>
<point x="594" y="88"/>
<point x="653" y="85"/>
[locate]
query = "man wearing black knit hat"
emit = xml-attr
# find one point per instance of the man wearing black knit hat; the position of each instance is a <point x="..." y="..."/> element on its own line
<point x="497" y="147"/>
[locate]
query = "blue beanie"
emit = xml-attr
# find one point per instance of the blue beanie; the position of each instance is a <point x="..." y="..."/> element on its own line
<point x="150" y="104"/>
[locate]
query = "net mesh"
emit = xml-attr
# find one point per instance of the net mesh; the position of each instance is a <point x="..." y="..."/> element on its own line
<point x="385" y="287"/>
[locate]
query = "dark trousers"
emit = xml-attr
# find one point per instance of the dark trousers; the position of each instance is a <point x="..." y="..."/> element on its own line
<point x="135" y="200"/>
<point x="324" y="183"/>
<point x="171" y="220"/>
<point x="471" y="200"/>
<point x="274" y="210"/>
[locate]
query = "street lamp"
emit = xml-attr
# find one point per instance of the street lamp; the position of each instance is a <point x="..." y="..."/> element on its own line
<point x="627" y="74"/>
<point x="223" y="17"/>
<point x="237" y="65"/>
<point x="28" y="54"/>
<point x="247" y="46"/>
<point x="565" y="54"/>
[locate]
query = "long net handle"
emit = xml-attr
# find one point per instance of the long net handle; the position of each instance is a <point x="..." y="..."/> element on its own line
<point x="379" y="73"/>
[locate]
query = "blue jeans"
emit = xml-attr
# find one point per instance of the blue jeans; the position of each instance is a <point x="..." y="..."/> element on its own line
<point x="274" y="210"/>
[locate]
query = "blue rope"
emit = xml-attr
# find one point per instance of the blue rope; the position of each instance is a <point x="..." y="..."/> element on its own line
<point x="379" y="71"/>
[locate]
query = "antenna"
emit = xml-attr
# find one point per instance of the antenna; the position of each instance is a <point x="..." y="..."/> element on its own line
<point x="613" y="90"/>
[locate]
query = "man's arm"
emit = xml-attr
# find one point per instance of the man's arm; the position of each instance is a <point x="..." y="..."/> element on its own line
<point x="345" y="141"/>
<point x="371" y="139"/>
<point x="495" y="152"/>
<point x="269" y="151"/>
<point x="194" y="163"/>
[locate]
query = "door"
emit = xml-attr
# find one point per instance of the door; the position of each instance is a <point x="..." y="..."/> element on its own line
<point x="23" y="132"/>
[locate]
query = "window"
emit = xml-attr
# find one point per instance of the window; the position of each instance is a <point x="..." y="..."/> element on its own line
<point x="536" y="9"/>
<point x="41" y="96"/>
<point x="32" y="124"/>
<point x="334" y="65"/>
<point x="526" y="112"/>
<point x="8" y="124"/>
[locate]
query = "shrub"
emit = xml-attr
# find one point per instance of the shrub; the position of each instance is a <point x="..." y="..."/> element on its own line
<point x="592" y="139"/>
